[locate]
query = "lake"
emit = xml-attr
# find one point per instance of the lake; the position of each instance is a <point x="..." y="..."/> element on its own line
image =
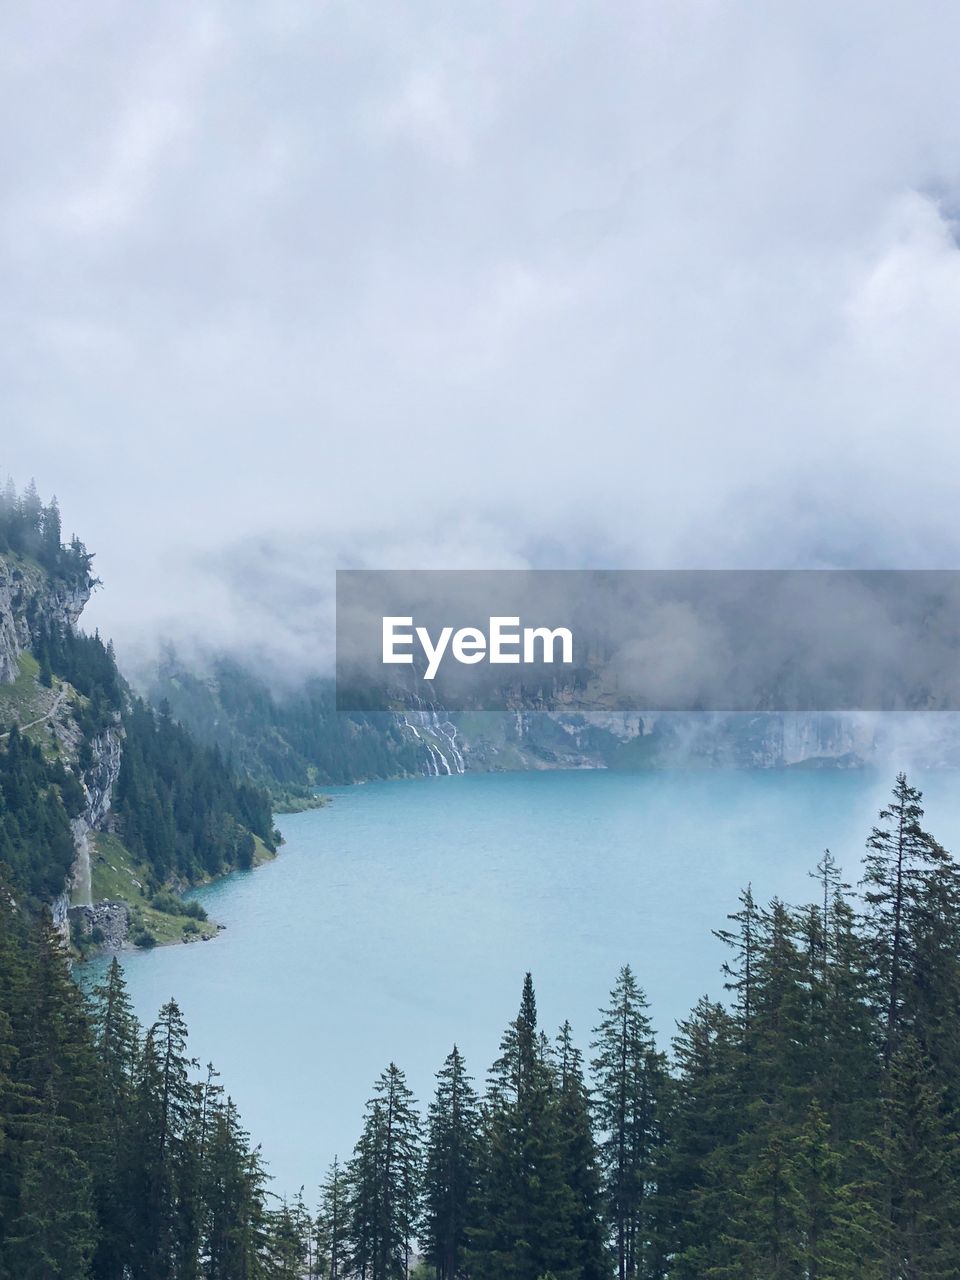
<point x="403" y="916"/>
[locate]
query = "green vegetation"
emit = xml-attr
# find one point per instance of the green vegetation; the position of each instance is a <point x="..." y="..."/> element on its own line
<point x="182" y="812"/>
<point x="263" y="852"/>
<point x="113" y="871"/>
<point x="291" y="743"/>
<point x="37" y="799"/>
<point x="163" y="916"/>
<point x="30" y="528"/>
<point x="171" y="905"/>
<point x="115" y="1159"/>
<point x="23" y="700"/>
<point x="89" y="666"/>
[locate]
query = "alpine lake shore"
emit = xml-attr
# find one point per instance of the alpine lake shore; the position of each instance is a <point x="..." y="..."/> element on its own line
<point x="124" y="915"/>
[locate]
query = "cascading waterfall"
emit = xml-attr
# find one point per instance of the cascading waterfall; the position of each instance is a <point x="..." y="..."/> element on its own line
<point x="438" y="737"/>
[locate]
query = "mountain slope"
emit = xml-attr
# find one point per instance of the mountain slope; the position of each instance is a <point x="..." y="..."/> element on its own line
<point x="90" y="773"/>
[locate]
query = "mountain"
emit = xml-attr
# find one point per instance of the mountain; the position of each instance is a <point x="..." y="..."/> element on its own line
<point x="108" y="808"/>
<point x="292" y="740"/>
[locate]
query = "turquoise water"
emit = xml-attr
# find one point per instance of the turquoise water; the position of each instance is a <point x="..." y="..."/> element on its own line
<point x="403" y="916"/>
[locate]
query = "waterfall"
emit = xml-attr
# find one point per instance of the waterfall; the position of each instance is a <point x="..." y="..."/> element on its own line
<point x="438" y="737"/>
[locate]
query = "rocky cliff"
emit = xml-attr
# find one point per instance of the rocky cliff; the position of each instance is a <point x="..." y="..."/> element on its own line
<point x="627" y="740"/>
<point x="98" y="781"/>
<point x="29" y="599"/>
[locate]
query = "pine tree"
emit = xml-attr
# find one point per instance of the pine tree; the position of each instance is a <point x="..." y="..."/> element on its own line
<point x="163" y="1153"/>
<point x="332" y="1257"/>
<point x="705" y="1125"/>
<point x="901" y="860"/>
<point x="762" y="1235"/>
<point x="288" y="1242"/>
<point x="836" y="1223"/>
<point x="919" y="1157"/>
<point x="117" y="1039"/>
<point x="53" y="1119"/>
<point x="933" y="994"/>
<point x="51" y="537"/>
<point x="526" y="1211"/>
<point x="785" y="1018"/>
<point x="848" y="1070"/>
<point x="451" y="1169"/>
<point x="237" y="1227"/>
<point x="580" y="1159"/>
<point x="54" y="1233"/>
<point x="629" y="1083"/>
<point x="741" y="971"/>
<point x="385" y="1178"/>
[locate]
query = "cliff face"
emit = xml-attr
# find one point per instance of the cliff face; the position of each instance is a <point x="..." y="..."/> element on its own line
<point x="32" y="599"/>
<point x="29" y="597"/>
<point x="627" y="740"/>
<point x="99" y="779"/>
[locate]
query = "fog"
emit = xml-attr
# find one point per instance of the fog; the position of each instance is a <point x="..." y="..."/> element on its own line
<point x="295" y="286"/>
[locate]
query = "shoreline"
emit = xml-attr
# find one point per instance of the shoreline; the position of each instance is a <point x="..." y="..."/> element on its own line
<point x="113" y="922"/>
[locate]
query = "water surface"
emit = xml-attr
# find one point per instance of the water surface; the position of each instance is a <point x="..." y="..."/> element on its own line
<point x="403" y="916"/>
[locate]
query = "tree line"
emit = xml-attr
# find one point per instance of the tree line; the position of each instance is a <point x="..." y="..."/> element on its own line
<point x="116" y="1158"/>
<point x="804" y="1128"/>
<point x="38" y="797"/>
<point x="30" y="527"/>
<point x="180" y="807"/>
<point x="288" y="741"/>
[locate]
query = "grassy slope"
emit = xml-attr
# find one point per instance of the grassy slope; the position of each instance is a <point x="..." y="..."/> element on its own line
<point x="115" y="874"/>
<point x="21" y="701"/>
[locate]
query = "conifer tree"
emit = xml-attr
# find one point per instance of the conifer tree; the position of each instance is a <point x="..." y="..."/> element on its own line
<point x="166" y="1128"/>
<point x="580" y="1160"/>
<point x="451" y="1169"/>
<point x="784" y="1020"/>
<point x="762" y="1235"/>
<point x="902" y="860"/>
<point x="288" y="1244"/>
<point x="836" y="1222"/>
<point x="52" y="536"/>
<point x="331" y="1255"/>
<point x="54" y="1233"/>
<point x="705" y="1124"/>
<point x="116" y="1036"/>
<point x="629" y="1078"/>
<point x="933" y="997"/>
<point x="385" y="1178"/>
<point x="919" y="1158"/>
<point x="847" y="1070"/>
<point x="236" y="1221"/>
<point x="526" y="1220"/>
<point x="740" y="972"/>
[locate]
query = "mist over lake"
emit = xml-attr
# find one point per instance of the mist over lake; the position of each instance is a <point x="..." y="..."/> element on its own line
<point x="403" y="916"/>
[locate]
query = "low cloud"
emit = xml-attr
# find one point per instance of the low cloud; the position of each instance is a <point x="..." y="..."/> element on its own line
<point x="476" y="286"/>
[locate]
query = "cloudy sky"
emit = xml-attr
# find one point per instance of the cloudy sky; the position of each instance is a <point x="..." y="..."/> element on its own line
<point x="290" y="285"/>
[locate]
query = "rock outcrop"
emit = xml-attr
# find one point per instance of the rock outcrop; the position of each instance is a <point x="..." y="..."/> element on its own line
<point x="607" y="739"/>
<point x="29" y="599"/>
<point x="98" y="783"/>
<point x="104" y="924"/>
